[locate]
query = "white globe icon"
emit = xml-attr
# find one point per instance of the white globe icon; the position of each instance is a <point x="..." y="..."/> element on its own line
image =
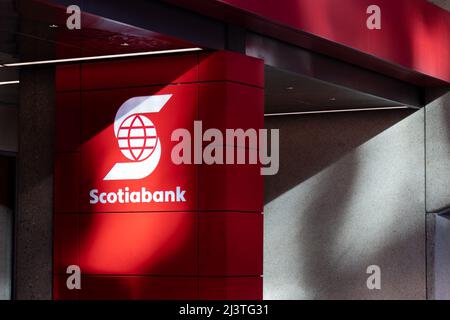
<point x="137" y="137"/>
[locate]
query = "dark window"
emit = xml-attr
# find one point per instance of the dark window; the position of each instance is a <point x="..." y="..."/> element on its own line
<point x="7" y="204"/>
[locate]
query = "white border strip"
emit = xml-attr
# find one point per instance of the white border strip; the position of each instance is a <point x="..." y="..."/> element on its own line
<point x="112" y="56"/>
<point x="333" y="111"/>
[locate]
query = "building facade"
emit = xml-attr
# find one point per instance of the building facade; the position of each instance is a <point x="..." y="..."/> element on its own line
<point x="354" y="206"/>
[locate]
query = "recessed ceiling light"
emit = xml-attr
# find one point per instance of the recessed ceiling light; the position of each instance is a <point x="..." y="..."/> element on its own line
<point x="334" y="111"/>
<point x="4" y="83"/>
<point x="333" y="99"/>
<point x="53" y="26"/>
<point x="93" y="58"/>
<point x="290" y="88"/>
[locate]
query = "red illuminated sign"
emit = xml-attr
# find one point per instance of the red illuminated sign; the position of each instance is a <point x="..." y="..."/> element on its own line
<point x="127" y="167"/>
<point x="123" y="207"/>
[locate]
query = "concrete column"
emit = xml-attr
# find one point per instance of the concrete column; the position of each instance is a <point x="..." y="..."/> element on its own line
<point x="438" y="232"/>
<point x="438" y="154"/>
<point x="33" y="265"/>
<point x="437" y="143"/>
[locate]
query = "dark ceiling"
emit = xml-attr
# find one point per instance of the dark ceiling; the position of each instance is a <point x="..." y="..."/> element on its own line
<point x="8" y="52"/>
<point x="289" y="92"/>
<point x="8" y="26"/>
<point x="33" y="30"/>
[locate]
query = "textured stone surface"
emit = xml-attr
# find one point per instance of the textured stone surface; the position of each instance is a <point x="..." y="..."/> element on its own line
<point x="351" y="211"/>
<point x="35" y="185"/>
<point x="437" y="125"/>
<point x="430" y="230"/>
<point x="438" y="228"/>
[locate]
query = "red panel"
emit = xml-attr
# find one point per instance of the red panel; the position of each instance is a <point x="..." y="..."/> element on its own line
<point x="230" y="187"/>
<point x="65" y="239"/>
<point x="230" y="66"/>
<point x="67" y="121"/>
<point x="158" y="250"/>
<point x="138" y="244"/>
<point x="242" y="288"/>
<point x="100" y="150"/>
<point x="68" y="77"/>
<point x="227" y="105"/>
<point x="414" y="33"/>
<point x="230" y="244"/>
<point x="67" y="182"/>
<point x="139" y="72"/>
<point x="138" y="288"/>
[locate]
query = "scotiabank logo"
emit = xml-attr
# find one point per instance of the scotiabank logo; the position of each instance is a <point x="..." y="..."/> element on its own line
<point x="137" y="137"/>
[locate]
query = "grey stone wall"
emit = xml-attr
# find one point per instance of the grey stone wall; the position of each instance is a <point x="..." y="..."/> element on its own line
<point x="349" y="194"/>
<point x="438" y="154"/>
<point x="438" y="256"/>
<point x="33" y="265"/>
<point x="437" y="128"/>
